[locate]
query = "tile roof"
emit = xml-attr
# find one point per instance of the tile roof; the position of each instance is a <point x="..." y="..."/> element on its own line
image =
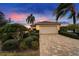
<point x="47" y="23"/>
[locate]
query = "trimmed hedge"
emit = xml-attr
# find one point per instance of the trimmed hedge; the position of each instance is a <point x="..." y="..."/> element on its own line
<point x="69" y="34"/>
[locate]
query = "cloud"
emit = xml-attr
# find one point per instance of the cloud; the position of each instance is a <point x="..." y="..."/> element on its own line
<point x="43" y="18"/>
<point x="17" y="16"/>
<point x="21" y="17"/>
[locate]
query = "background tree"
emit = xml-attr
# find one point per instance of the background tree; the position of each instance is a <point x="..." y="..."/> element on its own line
<point x="65" y="8"/>
<point x="3" y="21"/>
<point x="9" y="21"/>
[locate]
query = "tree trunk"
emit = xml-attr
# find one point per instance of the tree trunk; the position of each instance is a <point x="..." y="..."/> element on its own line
<point x="57" y="19"/>
<point x="74" y="22"/>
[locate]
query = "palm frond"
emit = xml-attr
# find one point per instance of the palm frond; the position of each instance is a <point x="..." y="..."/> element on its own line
<point x="61" y="14"/>
<point x="30" y="19"/>
<point x="70" y="16"/>
<point x="62" y="6"/>
<point x="58" y="15"/>
<point x="65" y="12"/>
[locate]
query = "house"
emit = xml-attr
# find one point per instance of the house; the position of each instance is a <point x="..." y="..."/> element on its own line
<point x="43" y="23"/>
<point x="47" y="32"/>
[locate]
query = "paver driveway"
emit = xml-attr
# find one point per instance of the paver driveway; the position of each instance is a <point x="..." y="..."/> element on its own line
<point x="63" y="46"/>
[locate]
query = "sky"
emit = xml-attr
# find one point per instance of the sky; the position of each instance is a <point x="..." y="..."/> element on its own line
<point x="18" y="12"/>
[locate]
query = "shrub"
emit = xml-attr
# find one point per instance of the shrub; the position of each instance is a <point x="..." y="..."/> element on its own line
<point x="34" y="32"/>
<point x="23" y="45"/>
<point x="31" y="41"/>
<point x="10" y="45"/>
<point x="25" y="35"/>
<point x="64" y="31"/>
<point x="69" y="34"/>
<point x="35" y="38"/>
<point x="28" y="41"/>
<point x="6" y="37"/>
<point x="14" y="28"/>
<point x="35" y="45"/>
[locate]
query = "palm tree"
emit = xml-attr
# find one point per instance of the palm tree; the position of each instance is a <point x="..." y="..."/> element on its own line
<point x="63" y="9"/>
<point x="30" y="19"/>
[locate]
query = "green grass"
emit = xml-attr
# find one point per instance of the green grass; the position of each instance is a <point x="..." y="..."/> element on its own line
<point x="24" y="53"/>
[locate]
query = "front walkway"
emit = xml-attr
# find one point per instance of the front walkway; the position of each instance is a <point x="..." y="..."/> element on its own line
<point x="62" y="45"/>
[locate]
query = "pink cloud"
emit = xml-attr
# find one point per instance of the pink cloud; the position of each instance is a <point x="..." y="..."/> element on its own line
<point x="17" y="16"/>
<point x="21" y="17"/>
<point x="42" y="19"/>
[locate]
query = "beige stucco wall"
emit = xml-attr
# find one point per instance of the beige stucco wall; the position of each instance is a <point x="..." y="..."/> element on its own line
<point x="38" y="27"/>
<point x="48" y="29"/>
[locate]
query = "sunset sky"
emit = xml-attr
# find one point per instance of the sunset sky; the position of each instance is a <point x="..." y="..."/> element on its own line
<point x="18" y="12"/>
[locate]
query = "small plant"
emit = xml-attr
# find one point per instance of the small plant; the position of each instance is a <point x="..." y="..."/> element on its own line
<point x="28" y="41"/>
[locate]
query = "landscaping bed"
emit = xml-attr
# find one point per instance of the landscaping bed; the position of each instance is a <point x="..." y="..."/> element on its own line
<point x="18" y="40"/>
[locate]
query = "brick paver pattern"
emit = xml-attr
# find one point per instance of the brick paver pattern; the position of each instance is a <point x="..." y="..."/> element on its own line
<point x="61" y="46"/>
